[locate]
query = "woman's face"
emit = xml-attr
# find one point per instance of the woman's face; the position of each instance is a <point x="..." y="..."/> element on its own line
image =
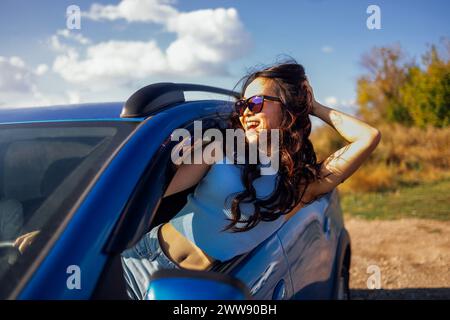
<point x="270" y="116"/>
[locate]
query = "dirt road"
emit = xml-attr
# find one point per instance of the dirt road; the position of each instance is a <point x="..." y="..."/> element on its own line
<point x="412" y="255"/>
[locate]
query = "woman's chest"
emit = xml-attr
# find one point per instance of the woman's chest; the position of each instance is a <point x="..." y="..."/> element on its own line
<point x="224" y="180"/>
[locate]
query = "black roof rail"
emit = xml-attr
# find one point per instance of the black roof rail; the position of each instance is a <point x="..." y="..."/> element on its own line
<point x="155" y="97"/>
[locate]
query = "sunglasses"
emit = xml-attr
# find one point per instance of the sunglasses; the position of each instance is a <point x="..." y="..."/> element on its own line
<point x="255" y="103"/>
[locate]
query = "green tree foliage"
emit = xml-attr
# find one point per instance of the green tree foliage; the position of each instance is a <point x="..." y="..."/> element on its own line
<point x="398" y="90"/>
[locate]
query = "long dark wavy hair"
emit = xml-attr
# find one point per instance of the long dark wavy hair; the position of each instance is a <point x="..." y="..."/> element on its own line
<point x="298" y="166"/>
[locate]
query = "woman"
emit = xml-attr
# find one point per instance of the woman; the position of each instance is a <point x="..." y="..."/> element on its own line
<point x="234" y="208"/>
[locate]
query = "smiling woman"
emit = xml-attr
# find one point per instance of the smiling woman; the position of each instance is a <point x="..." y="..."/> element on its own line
<point x="287" y="110"/>
<point x="234" y="208"/>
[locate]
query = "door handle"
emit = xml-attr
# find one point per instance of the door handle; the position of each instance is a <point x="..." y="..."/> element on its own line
<point x="279" y="293"/>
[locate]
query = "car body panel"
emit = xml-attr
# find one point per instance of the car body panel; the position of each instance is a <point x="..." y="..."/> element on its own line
<point x="97" y="111"/>
<point x="264" y="269"/>
<point x="309" y="243"/>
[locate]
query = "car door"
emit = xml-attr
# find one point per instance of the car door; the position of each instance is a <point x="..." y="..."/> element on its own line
<point x="146" y="207"/>
<point x="265" y="271"/>
<point x="306" y="240"/>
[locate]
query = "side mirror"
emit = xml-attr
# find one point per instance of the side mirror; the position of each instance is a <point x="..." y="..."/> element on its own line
<point x="176" y="284"/>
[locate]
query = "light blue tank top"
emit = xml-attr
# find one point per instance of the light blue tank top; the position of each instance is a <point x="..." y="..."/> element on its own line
<point x="203" y="217"/>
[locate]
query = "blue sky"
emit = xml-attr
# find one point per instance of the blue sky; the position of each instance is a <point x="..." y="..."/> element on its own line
<point x="212" y="46"/>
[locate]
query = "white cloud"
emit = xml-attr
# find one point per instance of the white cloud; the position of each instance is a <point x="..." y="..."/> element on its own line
<point x="349" y="103"/>
<point x="331" y="101"/>
<point x="78" y="37"/>
<point x="73" y="96"/>
<point x="15" y="76"/>
<point x="157" y="11"/>
<point x="112" y="62"/>
<point x="58" y="45"/>
<point x="37" y="98"/>
<point x="346" y="105"/>
<point x="41" y="69"/>
<point x="19" y="84"/>
<point x="327" y="49"/>
<point x="206" y="40"/>
<point x="349" y="106"/>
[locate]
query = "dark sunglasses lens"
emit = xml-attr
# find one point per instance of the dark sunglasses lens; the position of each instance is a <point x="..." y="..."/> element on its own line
<point x="256" y="103"/>
<point x="240" y="106"/>
<point x="257" y="100"/>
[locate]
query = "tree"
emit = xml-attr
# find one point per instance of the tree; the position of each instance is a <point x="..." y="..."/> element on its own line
<point x="378" y="91"/>
<point x="427" y="92"/>
<point x="396" y="89"/>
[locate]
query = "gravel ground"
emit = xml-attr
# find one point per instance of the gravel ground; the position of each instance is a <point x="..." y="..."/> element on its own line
<point x="412" y="255"/>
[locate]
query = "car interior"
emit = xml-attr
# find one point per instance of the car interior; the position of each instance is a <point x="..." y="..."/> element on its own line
<point x="32" y="182"/>
<point x="30" y="172"/>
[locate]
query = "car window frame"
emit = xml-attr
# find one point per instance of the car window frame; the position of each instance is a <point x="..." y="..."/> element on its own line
<point x="142" y="205"/>
<point x="148" y="195"/>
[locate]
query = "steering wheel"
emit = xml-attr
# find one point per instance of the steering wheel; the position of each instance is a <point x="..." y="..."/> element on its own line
<point x="9" y="252"/>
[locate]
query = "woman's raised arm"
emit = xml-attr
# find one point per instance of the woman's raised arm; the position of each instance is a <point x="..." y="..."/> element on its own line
<point x="362" y="140"/>
<point x="190" y="173"/>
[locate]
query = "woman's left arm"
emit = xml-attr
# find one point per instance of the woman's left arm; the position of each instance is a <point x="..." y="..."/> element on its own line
<point x="362" y="140"/>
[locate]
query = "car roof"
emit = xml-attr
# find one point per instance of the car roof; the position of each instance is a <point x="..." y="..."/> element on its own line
<point x="87" y="111"/>
<point x="145" y="102"/>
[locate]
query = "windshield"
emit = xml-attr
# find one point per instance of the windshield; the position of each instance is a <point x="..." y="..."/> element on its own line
<point x="44" y="169"/>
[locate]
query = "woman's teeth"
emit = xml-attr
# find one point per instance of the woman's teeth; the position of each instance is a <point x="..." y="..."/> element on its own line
<point x="252" y="124"/>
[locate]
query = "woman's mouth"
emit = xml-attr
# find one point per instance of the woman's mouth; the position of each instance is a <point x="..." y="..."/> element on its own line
<point x="251" y="124"/>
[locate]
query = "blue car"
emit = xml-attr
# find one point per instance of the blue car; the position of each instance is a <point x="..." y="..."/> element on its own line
<point x="87" y="181"/>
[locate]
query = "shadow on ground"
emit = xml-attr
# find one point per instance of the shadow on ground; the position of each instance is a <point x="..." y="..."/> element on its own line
<point x="401" y="294"/>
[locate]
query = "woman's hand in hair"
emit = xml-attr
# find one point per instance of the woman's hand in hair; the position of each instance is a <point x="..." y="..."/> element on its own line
<point x="313" y="99"/>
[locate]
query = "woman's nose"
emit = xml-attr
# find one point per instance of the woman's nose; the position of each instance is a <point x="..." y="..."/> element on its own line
<point x="247" y="112"/>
